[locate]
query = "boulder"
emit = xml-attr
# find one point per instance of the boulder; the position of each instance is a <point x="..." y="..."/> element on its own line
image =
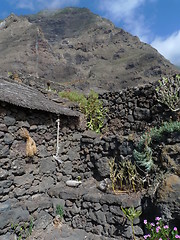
<point x="168" y="199"/>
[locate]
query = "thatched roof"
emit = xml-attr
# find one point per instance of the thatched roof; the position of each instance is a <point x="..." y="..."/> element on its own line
<point x="28" y="97"/>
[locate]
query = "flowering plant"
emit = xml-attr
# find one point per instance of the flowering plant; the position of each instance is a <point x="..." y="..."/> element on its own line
<point x="159" y="231"/>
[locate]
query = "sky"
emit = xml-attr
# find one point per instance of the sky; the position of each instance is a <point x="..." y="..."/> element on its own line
<point x="155" y="22"/>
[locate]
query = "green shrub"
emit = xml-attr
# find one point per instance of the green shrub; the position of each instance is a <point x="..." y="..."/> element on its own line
<point x="73" y="96"/>
<point x="143" y="154"/>
<point x="131" y="214"/>
<point x="60" y="211"/>
<point x="91" y="106"/>
<point x="94" y="111"/>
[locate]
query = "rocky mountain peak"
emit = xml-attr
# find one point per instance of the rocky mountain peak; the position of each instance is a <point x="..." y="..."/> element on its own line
<point x="75" y="48"/>
<point x="68" y="22"/>
<point x="11" y="20"/>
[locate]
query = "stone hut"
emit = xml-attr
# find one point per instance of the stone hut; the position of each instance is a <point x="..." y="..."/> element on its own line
<point x="22" y="178"/>
<point x="24" y="107"/>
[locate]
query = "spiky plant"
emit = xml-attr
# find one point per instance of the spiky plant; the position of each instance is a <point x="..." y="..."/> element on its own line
<point x="168" y="92"/>
<point x="143" y="153"/>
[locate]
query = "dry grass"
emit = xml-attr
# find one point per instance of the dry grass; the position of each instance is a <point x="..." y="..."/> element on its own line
<point x="30" y="143"/>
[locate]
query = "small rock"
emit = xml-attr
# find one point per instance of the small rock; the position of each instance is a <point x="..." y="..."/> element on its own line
<point x="8" y="138"/>
<point x="141" y="113"/>
<point x="3" y="174"/>
<point x="102" y="166"/>
<point x="73" y="183"/>
<point x="4" y="151"/>
<point x="47" y="165"/>
<point x="103" y="185"/>
<point x="9" y="121"/>
<point x="3" y="127"/>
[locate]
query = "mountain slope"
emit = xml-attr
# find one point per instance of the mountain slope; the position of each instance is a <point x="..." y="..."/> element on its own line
<point x="24" y="49"/>
<point x="77" y="48"/>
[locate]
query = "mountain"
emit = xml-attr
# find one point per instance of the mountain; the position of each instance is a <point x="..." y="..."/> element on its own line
<point x="76" y="48"/>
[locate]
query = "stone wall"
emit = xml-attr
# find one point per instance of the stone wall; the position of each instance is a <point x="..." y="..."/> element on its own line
<point x="96" y="212"/>
<point x="33" y="187"/>
<point x="161" y="185"/>
<point x="134" y="109"/>
<point x="24" y="181"/>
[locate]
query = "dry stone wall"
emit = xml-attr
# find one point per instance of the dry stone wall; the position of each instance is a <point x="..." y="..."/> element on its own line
<point x="24" y="181"/>
<point x="33" y="187"/>
<point x="134" y="109"/>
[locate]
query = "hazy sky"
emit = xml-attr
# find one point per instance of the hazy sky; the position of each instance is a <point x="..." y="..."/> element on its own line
<point x="156" y="22"/>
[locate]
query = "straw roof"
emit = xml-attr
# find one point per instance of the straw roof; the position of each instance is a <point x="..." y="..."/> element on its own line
<point x="28" y="97"/>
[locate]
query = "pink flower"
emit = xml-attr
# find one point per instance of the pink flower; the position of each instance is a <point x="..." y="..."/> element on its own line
<point x="157" y="229"/>
<point x="146" y="236"/>
<point x="166" y="227"/>
<point x="175" y="228"/>
<point x="158" y="218"/>
<point x="145" y="222"/>
<point x="177" y="236"/>
<point x="152" y="224"/>
<point x="160" y="238"/>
